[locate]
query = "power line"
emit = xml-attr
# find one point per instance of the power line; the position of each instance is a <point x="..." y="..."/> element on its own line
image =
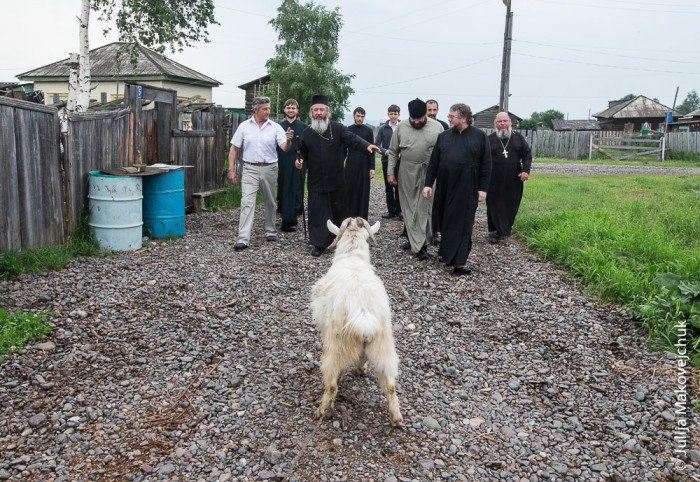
<point x="429" y="75"/>
<point x="626" y="9"/>
<point x="641" y="69"/>
<point x="573" y="49"/>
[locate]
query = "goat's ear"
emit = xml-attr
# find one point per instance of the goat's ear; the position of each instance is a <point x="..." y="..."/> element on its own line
<point x="332" y="227"/>
<point x="374" y="228"/>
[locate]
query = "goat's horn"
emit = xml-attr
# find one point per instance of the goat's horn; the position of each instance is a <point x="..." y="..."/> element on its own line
<point x="370" y="229"/>
<point x="340" y="232"/>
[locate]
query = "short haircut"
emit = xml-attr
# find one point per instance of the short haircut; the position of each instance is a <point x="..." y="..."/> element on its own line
<point x="291" y="102"/>
<point x="258" y="101"/>
<point x="394" y="108"/>
<point x="463" y="111"/>
<point x="432" y="101"/>
<point x="360" y="110"/>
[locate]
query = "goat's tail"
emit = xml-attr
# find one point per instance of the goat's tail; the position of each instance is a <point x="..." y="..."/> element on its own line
<point x="361" y="323"/>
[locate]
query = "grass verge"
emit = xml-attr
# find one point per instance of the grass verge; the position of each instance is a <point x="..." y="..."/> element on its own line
<point x="680" y="160"/>
<point x="633" y="239"/>
<point x="17" y="328"/>
<point x="81" y="243"/>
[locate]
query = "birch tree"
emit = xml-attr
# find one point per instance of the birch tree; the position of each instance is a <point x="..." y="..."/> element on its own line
<point x="156" y="24"/>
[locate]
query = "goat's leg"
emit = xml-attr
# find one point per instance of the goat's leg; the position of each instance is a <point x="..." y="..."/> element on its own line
<point x="382" y="355"/>
<point x="331" y="368"/>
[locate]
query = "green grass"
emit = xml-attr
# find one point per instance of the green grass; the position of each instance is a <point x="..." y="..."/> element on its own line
<point x="17" y="328"/>
<point x="618" y="234"/>
<point x="53" y="257"/>
<point x="681" y="160"/>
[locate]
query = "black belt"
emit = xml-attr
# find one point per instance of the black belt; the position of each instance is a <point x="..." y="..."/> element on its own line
<point x="259" y="163"/>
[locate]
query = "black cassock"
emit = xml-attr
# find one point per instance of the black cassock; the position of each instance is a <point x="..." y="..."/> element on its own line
<point x="460" y="166"/>
<point x="506" y="188"/>
<point x="324" y="157"/>
<point x="357" y="167"/>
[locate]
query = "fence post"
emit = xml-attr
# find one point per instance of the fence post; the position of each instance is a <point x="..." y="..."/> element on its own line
<point x="663" y="148"/>
<point x="590" y="147"/>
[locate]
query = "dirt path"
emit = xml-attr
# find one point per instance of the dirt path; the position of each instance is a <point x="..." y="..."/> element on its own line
<point x="189" y="361"/>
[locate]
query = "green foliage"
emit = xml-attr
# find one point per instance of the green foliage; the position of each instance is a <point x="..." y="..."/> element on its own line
<point x="305" y="57"/>
<point x="691" y="103"/>
<point x="545" y="117"/>
<point x="673" y="315"/>
<point x="157" y="24"/>
<point x="17" y="328"/>
<point x="618" y="233"/>
<point x="626" y="98"/>
<point x="81" y="243"/>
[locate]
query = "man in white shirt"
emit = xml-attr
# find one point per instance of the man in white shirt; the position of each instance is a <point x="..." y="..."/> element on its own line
<point x="259" y="138"/>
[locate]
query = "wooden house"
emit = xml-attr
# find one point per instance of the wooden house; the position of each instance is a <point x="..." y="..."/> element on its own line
<point x="688" y="123"/>
<point x="111" y="68"/>
<point x="485" y="119"/>
<point x="252" y="90"/>
<point x="631" y="114"/>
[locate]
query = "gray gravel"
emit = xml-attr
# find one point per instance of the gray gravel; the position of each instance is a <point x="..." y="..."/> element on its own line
<point x="189" y="361"/>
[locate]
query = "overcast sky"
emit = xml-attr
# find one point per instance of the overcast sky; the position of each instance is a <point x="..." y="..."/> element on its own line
<point x="570" y="55"/>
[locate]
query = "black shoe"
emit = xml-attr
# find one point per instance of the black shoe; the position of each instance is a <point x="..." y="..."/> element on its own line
<point x="461" y="271"/>
<point x="400" y="216"/>
<point x="423" y="253"/>
<point x="316" y="251"/>
<point x="240" y="246"/>
<point x="288" y="229"/>
<point x="388" y="215"/>
<point x="494" y="238"/>
<point x="406" y="246"/>
<point x="437" y="237"/>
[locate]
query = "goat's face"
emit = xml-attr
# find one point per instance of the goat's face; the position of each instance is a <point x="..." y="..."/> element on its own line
<point x="356" y="226"/>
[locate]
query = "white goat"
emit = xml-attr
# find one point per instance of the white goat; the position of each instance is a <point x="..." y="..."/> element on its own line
<point x="351" y="310"/>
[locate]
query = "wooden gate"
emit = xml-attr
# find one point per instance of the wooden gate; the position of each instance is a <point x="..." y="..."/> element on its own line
<point x="622" y="148"/>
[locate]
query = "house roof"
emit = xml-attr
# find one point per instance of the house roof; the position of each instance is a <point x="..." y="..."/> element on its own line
<point x="639" y="107"/>
<point x="260" y="80"/>
<point x="695" y="113"/>
<point x="150" y="65"/>
<point x="579" y="125"/>
<point x="486" y="117"/>
<point x="5" y="85"/>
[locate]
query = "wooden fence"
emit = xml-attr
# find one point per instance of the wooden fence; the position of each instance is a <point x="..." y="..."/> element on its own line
<point x="31" y="200"/>
<point x="684" y="142"/>
<point x="38" y="184"/>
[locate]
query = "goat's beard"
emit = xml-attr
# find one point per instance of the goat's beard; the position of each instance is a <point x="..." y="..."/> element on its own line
<point x="504" y="133"/>
<point x="320" y="125"/>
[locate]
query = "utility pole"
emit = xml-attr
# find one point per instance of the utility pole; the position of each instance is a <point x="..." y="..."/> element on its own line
<point x="505" y="68"/>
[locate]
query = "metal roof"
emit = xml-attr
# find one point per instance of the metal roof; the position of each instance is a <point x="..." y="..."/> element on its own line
<point x="640" y="106"/>
<point x="104" y="66"/>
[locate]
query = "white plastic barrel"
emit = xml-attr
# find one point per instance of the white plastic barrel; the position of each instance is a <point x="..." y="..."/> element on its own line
<point x="116" y="210"/>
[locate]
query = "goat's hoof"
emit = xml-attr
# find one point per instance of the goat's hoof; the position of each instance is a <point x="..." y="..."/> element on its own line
<point x="396" y="421"/>
<point x="321" y="413"/>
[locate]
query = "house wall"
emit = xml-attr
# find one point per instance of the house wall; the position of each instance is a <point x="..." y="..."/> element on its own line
<point x="619" y="124"/>
<point x="184" y="91"/>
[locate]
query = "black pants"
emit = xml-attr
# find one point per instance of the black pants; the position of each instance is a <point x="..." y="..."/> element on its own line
<point x="393" y="205"/>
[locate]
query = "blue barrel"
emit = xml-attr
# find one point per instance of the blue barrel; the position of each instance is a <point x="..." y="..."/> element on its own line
<point x="164" y="204"/>
<point x="116" y="210"/>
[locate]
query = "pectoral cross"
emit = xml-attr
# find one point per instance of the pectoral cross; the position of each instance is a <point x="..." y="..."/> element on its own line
<point x="505" y="153"/>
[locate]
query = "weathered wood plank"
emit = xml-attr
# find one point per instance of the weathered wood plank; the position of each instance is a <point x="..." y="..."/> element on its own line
<point x="10" y="237"/>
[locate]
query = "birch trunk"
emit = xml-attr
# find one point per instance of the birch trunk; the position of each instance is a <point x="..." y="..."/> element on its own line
<point x="72" y="83"/>
<point x="84" y="67"/>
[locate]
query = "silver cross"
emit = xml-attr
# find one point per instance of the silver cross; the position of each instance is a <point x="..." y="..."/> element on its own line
<point x="505" y="153"/>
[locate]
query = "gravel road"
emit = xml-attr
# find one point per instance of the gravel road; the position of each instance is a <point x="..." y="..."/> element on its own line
<point x="189" y="361"/>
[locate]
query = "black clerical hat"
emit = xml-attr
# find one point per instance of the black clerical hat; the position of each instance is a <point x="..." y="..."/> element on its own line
<point x="417" y="108"/>
<point x="319" y="99"/>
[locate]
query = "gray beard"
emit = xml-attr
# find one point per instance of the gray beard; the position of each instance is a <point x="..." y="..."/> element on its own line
<point x="320" y="125"/>
<point x="504" y="133"/>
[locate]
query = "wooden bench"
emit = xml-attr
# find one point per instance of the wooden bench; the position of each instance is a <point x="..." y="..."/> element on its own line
<point x="198" y="198"/>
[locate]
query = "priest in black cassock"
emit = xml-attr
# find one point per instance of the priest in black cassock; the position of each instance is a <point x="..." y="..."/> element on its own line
<point x="460" y="167"/>
<point x="359" y="168"/>
<point x="512" y="159"/>
<point x="289" y="179"/>
<point x="322" y="147"/>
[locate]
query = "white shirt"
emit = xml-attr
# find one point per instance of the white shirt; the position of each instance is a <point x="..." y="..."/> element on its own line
<point x="259" y="143"/>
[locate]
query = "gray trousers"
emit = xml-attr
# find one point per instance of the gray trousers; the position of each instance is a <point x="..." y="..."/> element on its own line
<point x="253" y="178"/>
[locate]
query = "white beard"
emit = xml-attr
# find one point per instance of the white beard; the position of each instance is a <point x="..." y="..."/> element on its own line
<point x="320" y="125"/>
<point x="504" y="133"/>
